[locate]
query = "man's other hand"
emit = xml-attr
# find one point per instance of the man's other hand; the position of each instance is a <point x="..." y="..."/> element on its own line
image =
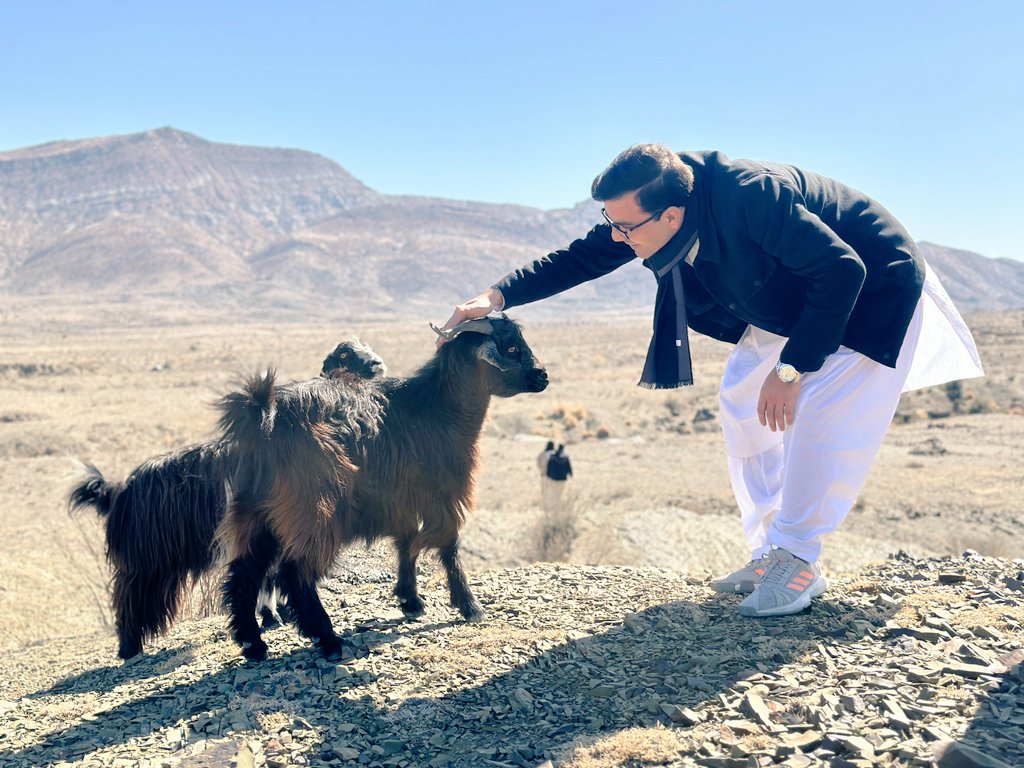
<point x="776" y="406"/>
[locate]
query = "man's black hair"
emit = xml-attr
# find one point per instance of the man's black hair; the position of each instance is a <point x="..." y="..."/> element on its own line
<point x="654" y="172"/>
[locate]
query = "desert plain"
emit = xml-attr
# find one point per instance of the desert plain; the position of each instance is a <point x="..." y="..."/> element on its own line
<point x="114" y="386"/>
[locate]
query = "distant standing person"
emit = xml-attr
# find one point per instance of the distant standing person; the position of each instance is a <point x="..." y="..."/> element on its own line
<point x="543" y="456"/>
<point x="832" y="311"/>
<point x="557" y="471"/>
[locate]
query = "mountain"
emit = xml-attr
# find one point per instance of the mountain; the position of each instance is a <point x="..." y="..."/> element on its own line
<point x="168" y="215"/>
<point x="974" y="282"/>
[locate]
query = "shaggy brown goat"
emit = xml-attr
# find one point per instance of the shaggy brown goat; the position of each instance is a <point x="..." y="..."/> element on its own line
<point x="320" y="467"/>
<point x="160" y="523"/>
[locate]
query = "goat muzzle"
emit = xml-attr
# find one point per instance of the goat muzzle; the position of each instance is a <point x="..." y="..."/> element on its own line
<point x="537" y="380"/>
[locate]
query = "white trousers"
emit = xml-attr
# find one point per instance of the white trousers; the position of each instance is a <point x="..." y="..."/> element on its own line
<point x="796" y="486"/>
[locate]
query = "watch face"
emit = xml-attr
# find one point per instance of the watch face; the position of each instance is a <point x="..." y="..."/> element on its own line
<point x="787" y="373"/>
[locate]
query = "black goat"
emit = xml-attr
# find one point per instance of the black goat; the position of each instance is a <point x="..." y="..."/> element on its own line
<point x="352" y="360"/>
<point x="320" y="467"/>
<point x="162" y="520"/>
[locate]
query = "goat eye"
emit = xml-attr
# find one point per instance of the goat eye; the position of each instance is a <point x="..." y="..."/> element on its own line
<point x="513" y="350"/>
<point x="343" y="355"/>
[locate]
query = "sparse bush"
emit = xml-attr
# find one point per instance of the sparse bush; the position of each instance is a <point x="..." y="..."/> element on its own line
<point x="991" y="543"/>
<point x="86" y="562"/>
<point x="557" y="531"/>
<point x="572" y="423"/>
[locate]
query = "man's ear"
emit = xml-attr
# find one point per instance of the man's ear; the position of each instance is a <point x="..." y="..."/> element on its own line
<point x="674" y="216"/>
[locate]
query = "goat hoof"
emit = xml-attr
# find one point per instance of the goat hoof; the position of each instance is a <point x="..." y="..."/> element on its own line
<point x="287" y="614"/>
<point x="475" y="614"/>
<point x="333" y="650"/>
<point x="128" y="649"/>
<point x="412" y="608"/>
<point x="255" y="651"/>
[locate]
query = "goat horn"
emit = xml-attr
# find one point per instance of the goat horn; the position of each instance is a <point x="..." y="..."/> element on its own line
<point x="480" y="325"/>
<point x="446" y="335"/>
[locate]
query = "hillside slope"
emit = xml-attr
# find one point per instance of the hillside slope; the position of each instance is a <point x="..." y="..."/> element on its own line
<point x="167" y="216"/>
<point x="906" y="663"/>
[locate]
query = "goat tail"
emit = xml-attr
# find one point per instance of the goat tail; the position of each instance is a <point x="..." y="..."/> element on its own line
<point x="93" y="491"/>
<point x="248" y="416"/>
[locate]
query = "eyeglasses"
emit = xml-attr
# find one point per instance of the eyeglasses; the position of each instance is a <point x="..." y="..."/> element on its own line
<point x="624" y="230"/>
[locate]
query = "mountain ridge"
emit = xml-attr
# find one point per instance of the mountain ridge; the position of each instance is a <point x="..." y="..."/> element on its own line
<point x="165" y="213"/>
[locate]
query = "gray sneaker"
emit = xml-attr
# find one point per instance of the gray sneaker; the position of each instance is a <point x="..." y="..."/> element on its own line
<point x="742" y="581"/>
<point x="787" y="586"/>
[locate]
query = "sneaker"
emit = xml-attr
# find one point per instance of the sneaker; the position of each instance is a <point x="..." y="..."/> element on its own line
<point x="744" y="580"/>
<point x="787" y="586"/>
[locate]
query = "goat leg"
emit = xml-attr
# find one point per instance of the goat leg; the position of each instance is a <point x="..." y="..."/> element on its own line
<point x="458" y="587"/>
<point x="129" y="598"/>
<point x="310" y="616"/>
<point x="405" y="589"/>
<point x="271" y="599"/>
<point x="246" y="575"/>
<point x="144" y="605"/>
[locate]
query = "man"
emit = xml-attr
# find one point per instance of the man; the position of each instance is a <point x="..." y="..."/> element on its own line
<point x="557" y="471"/>
<point x="832" y="312"/>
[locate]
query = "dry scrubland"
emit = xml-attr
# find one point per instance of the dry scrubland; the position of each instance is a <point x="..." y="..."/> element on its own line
<point x="650" y="486"/>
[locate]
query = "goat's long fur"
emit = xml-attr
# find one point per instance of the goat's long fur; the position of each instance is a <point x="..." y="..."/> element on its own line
<point x="160" y="525"/>
<point x="318" y="468"/>
<point x="162" y="519"/>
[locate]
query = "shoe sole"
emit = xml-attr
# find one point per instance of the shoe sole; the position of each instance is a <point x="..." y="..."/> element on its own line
<point x="814" y="589"/>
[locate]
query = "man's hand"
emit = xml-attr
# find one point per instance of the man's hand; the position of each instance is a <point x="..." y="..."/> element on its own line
<point x="776" y="405"/>
<point x="479" y="306"/>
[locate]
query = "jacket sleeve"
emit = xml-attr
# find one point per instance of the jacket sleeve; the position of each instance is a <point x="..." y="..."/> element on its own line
<point x="778" y="220"/>
<point x="585" y="259"/>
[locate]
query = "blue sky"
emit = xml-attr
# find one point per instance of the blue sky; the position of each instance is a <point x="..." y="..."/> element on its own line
<point x="919" y="104"/>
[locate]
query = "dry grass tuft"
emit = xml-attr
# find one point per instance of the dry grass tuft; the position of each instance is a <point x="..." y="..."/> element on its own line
<point x="558" y="528"/>
<point x="632" y="748"/>
<point x="478" y="648"/>
<point x="920" y="604"/>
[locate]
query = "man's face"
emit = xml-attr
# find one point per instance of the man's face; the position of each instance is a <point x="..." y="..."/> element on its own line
<point x="647" y="239"/>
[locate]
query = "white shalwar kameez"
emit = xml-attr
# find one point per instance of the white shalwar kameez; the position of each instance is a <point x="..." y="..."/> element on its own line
<point x="797" y="485"/>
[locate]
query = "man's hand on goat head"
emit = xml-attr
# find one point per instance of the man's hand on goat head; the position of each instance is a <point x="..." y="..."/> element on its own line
<point x="479" y="306"/>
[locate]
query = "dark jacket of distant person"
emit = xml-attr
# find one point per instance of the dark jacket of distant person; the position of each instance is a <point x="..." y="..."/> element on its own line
<point x="790" y="252"/>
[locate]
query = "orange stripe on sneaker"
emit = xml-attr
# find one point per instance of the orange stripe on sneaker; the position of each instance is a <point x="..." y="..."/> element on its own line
<point x="801" y="580"/>
<point x="796" y="586"/>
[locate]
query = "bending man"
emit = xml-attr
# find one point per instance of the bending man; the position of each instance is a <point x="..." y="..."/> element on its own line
<point x="832" y="312"/>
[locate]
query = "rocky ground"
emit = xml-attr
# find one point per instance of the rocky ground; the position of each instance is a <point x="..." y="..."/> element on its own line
<point x="621" y="657"/>
<point x="910" y="662"/>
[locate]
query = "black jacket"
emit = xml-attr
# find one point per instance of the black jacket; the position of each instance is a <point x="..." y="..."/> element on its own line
<point x="790" y="252"/>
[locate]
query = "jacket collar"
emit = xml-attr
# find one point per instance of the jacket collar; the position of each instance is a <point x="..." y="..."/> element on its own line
<point x="698" y="207"/>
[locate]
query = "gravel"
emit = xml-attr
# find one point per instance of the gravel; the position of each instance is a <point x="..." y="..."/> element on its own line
<point x="909" y="662"/>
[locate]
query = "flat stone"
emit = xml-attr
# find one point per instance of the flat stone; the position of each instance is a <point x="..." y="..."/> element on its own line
<point x="755" y="706"/>
<point x="803" y="742"/>
<point x="681" y="715"/>
<point x="969" y="670"/>
<point x="952" y="754"/>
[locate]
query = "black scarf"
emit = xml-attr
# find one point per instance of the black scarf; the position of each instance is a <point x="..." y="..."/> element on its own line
<point x="668" y="356"/>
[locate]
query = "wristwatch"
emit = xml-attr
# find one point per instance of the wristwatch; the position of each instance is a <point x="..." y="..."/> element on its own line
<point x="786" y="372"/>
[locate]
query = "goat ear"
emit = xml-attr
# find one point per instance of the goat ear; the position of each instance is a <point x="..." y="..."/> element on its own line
<point x="488" y="352"/>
